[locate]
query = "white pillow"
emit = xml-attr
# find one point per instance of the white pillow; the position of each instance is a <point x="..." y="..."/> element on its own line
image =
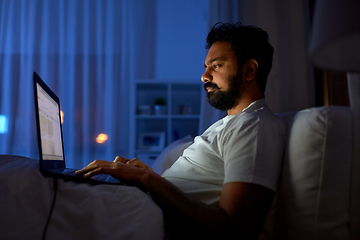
<point x="171" y="153"/>
<point x="314" y="187"/>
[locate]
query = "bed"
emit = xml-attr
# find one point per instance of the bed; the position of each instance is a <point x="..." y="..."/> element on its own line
<point x="81" y="211"/>
<point x="313" y="198"/>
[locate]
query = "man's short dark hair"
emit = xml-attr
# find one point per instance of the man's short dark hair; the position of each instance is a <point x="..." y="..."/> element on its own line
<point x="248" y="42"/>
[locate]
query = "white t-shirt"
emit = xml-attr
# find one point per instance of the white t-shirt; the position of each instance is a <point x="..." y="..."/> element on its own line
<point x="246" y="147"/>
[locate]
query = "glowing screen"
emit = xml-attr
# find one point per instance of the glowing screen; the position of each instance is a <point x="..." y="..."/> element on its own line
<point x="50" y="128"/>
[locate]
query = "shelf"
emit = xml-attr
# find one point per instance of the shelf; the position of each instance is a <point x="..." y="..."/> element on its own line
<point x="179" y="116"/>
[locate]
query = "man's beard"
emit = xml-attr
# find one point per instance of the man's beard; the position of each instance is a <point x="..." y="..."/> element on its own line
<point x="225" y="100"/>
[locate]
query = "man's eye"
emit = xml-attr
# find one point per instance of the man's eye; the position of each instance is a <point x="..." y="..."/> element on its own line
<point x="216" y="66"/>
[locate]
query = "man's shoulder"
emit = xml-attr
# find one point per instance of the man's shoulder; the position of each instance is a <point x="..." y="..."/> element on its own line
<point x="260" y="113"/>
<point x="261" y="116"/>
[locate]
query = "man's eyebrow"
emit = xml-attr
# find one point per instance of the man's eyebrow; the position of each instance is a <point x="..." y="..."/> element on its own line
<point x="211" y="61"/>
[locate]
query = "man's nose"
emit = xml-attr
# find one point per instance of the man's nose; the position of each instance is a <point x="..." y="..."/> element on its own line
<point x="206" y="77"/>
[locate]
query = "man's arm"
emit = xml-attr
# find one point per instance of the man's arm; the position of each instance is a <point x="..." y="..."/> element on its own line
<point x="241" y="211"/>
<point x="240" y="214"/>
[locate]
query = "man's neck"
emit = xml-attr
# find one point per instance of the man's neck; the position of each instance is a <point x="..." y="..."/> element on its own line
<point x="244" y="102"/>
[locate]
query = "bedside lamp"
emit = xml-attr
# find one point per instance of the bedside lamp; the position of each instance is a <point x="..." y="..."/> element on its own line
<point x="335" y="45"/>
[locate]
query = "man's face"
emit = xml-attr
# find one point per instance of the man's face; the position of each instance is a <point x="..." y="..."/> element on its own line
<point x="222" y="77"/>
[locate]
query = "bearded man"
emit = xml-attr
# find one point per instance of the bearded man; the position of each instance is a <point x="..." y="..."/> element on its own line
<point x="223" y="184"/>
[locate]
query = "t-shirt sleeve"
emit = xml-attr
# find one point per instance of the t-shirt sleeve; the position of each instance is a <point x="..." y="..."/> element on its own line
<point x="253" y="150"/>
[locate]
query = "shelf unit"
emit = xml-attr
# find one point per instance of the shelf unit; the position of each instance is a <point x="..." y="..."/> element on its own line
<point x="156" y="127"/>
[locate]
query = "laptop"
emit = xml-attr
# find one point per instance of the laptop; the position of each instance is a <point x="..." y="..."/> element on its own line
<point x="50" y="138"/>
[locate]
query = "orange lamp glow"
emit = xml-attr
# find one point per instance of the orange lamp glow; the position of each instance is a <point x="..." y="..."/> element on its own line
<point x="101" y="138"/>
<point x="62" y="117"/>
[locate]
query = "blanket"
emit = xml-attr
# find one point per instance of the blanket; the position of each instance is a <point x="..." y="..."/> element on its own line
<point x="81" y="211"/>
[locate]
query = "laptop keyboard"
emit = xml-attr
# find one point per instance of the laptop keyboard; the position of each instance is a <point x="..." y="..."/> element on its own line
<point x="100" y="177"/>
<point x="67" y="171"/>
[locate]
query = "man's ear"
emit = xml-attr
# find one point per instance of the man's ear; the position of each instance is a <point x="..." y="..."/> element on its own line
<point x="250" y="70"/>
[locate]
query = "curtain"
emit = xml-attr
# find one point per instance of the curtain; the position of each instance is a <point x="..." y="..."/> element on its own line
<point x="85" y="51"/>
<point x="290" y="85"/>
<point x="89" y="51"/>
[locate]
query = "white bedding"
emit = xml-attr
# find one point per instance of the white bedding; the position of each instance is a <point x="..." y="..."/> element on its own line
<point x="82" y="211"/>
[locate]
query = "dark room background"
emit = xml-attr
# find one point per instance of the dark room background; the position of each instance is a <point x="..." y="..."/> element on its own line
<point x="99" y="57"/>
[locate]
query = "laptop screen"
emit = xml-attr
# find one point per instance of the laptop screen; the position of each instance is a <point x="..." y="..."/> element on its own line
<point x="50" y="129"/>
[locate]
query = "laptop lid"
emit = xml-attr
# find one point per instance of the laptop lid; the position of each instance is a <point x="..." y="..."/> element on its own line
<point x="50" y="139"/>
<point x="49" y="129"/>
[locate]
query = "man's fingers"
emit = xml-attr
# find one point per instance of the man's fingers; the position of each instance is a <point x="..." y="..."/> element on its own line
<point x="94" y="172"/>
<point x="134" y="162"/>
<point x="90" y="167"/>
<point x="121" y="159"/>
<point x="85" y="169"/>
<point x="138" y="163"/>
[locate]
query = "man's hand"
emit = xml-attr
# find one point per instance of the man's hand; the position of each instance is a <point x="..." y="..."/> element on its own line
<point x="128" y="170"/>
<point x="133" y="162"/>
